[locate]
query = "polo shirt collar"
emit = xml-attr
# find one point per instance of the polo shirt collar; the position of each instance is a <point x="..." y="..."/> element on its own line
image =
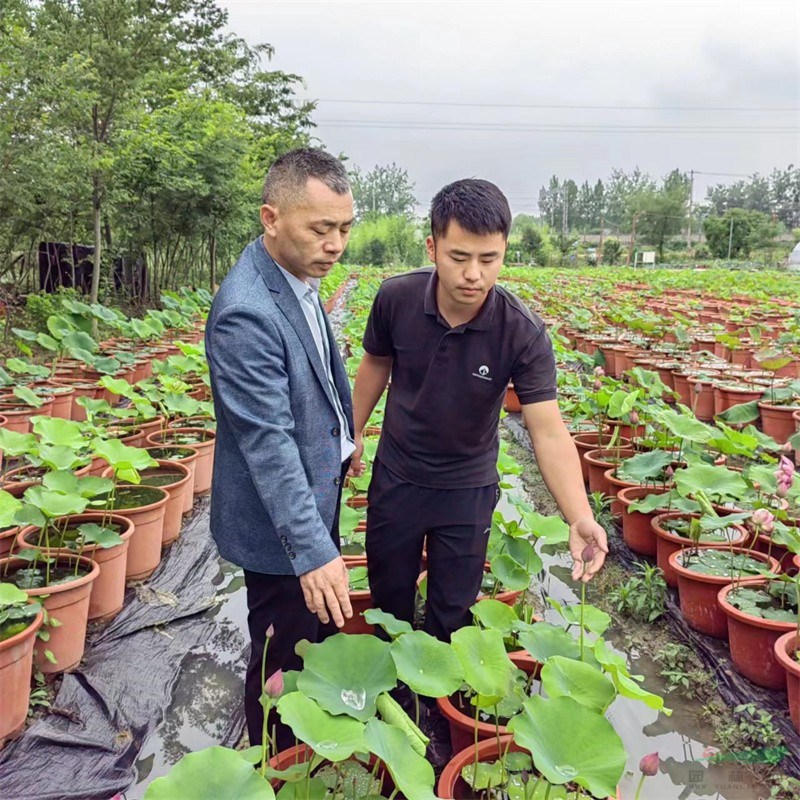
<point x="482" y="320"/>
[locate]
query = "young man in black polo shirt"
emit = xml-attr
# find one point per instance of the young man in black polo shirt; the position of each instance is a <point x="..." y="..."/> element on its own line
<point x="451" y="341"/>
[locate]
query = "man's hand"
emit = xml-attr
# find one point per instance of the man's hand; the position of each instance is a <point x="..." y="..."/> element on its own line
<point x="582" y="533"/>
<point x="326" y="590"/>
<point x="357" y="465"/>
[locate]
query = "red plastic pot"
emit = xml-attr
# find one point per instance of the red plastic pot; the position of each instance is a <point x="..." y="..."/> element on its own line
<point x="16" y="667"/>
<point x="668" y="543"/>
<point x="590" y="440"/>
<point x="205" y="452"/>
<point x="637" y="531"/>
<point x="512" y="403"/>
<point x="144" y="550"/>
<point x="453" y="787"/>
<point x="698" y="592"/>
<point x="776" y="421"/>
<point x="785" y="649"/>
<point x="599" y="461"/>
<point x="360" y="600"/>
<point x="752" y="643"/>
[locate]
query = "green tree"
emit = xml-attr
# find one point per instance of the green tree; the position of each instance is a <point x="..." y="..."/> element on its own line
<point x="612" y="250"/>
<point x="384" y="191"/>
<point x="661" y="212"/>
<point x="738" y="232"/>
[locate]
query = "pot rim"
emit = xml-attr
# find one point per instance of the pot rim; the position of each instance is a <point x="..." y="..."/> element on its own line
<point x="750" y="619"/>
<point x="88" y="577"/>
<point x="20" y="637"/>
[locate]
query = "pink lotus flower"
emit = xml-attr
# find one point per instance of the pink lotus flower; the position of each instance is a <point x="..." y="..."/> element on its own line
<point x="274" y="686"/>
<point x="786" y="467"/>
<point x="649" y="765"/>
<point x="763" y="521"/>
<point x="599" y="371"/>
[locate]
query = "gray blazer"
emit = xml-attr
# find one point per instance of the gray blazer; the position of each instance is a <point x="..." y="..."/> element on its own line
<point x="277" y="460"/>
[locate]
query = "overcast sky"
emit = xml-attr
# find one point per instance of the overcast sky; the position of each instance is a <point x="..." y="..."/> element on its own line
<point x="496" y="55"/>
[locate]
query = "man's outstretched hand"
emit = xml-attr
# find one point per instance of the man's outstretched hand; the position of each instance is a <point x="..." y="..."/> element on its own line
<point x="326" y="592"/>
<point x="586" y="533"/>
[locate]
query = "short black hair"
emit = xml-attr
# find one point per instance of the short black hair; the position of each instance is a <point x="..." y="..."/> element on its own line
<point x="287" y="177"/>
<point x="476" y="205"/>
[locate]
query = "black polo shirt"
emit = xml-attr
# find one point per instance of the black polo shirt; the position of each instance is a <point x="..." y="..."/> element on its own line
<point x="448" y="384"/>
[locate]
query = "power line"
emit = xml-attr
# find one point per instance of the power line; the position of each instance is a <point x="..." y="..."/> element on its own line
<point x="430" y="125"/>
<point x="569" y="107"/>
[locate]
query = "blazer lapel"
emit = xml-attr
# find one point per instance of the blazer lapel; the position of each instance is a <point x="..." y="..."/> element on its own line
<point x="339" y="373"/>
<point x="288" y="303"/>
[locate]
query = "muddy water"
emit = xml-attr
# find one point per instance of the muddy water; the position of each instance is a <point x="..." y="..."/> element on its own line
<point x="207" y="701"/>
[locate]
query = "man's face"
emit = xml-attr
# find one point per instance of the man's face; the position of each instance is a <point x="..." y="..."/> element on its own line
<point x="467" y="264"/>
<point x="308" y="236"/>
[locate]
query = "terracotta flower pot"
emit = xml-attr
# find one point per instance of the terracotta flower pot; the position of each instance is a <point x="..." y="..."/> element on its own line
<point x="462" y="726"/>
<point x="62" y="399"/>
<point x="752" y="642"/>
<point x="668" y="543"/>
<point x="82" y="388"/>
<point x="698" y="592"/>
<point x="591" y="440"/>
<point x="187" y="456"/>
<point x="453" y="787"/>
<point x="637" y="532"/>
<point x="144" y="549"/>
<point x="177" y="491"/>
<point x="728" y="395"/>
<point x="301" y="753"/>
<point x="205" y="452"/>
<point x="785" y="648"/>
<point x="701" y="398"/>
<point x="108" y="589"/>
<point x="16" y="667"/>
<point x="18" y="415"/>
<point x="777" y="421"/>
<point x="69" y="604"/>
<point x="599" y="461"/>
<point x="784" y="557"/>
<point x="512" y="403"/>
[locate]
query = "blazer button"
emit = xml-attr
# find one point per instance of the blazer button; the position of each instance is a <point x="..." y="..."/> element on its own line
<point x="335" y="431"/>
<point x="291" y="555"/>
<point x="337" y="480"/>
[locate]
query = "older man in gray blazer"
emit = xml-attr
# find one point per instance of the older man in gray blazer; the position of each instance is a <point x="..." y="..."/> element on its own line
<point x="284" y="418"/>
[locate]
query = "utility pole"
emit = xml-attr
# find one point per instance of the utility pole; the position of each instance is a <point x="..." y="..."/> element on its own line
<point x="691" y="197"/>
<point x="730" y="240"/>
<point x="633" y="239"/>
<point x="565" y="214"/>
<point x="600" y="244"/>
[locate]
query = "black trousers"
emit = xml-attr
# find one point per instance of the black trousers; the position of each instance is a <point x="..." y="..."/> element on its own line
<point x="456" y="523"/>
<point x="277" y="600"/>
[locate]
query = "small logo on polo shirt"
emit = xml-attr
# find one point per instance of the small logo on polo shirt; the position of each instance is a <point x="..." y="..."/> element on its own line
<point x="482" y="373"/>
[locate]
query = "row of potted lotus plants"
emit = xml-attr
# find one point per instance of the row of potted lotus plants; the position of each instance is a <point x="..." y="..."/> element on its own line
<point x="90" y="498"/>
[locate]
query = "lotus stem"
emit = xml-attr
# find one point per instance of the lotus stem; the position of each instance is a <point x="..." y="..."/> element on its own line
<point x="266" y="709"/>
<point x="583" y="603"/>
<point x="639" y="787"/>
<point x="475" y="733"/>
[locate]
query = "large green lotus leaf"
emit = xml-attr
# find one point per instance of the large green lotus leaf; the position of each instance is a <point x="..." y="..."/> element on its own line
<point x="670" y="500"/>
<point x="428" y="666"/>
<point x="594" y="619"/>
<point x="9" y="506"/>
<point x="510" y="574"/>
<point x="10" y="595"/>
<point x="487" y="667"/>
<point x="551" y="530"/>
<point x="117" y="386"/>
<point x="55" y="504"/>
<point x="628" y="687"/>
<point x="394" y="627"/>
<point x="522" y="551"/>
<point x="59" y="326"/>
<point x="120" y="455"/>
<point x="28" y="397"/>
<point x="412" y="774"/>
<point x="91" y="486"/>
<point x="621" y="402"/>
<point x="714" y="481"/>
<point x="13" y="443"/>
<point x="544" y="640"/>
<point x="106" y="364"/>
<point x="216" y="773"/>
<point x="346" y="673"/>
<point x="62" y="481"/>
<point x="684" y="426"/>
<point x="741" y="412"/>
<point x="644" y="467"/>
<point x="79" y="341"/>
<point x="334" y="738"/>
<point x="93" y="533"/>
<point x="569" y="742"/>
<point x="494" y="614"/>
<point x="59" y="457"/>
<point x="569" y="678"/>
<point x="62" y="432"/>
<point x="314" y="789"/>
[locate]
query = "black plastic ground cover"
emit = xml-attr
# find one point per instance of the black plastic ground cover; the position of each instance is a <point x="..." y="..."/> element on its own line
<point x="105" y="711"/>
<point x="734" y="688"/>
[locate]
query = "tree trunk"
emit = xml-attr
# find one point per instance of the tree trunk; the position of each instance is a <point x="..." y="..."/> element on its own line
<point x="98" y="238"/>
<point x="212" y="258"/>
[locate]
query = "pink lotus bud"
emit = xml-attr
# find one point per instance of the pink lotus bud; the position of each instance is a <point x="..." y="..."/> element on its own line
<point x="599" y="371"/>
<point x="274" y="686"/>
<point x="634" y="417"/>
<point x="783" y="489"/>
<point x="669" y="472"/>
<point x="786" y="468"/>
<point x="756" y="486"/>
<point x="763" y="520"/>
<point x="524" y="776"/>
<point x="649" y="765"/>
<point x="270" y="631"/>
<point x="588" y="553"/>
<point x="597" y="386"/>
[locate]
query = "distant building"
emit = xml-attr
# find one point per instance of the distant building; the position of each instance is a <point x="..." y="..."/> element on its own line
<point x="794" y="258"/>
